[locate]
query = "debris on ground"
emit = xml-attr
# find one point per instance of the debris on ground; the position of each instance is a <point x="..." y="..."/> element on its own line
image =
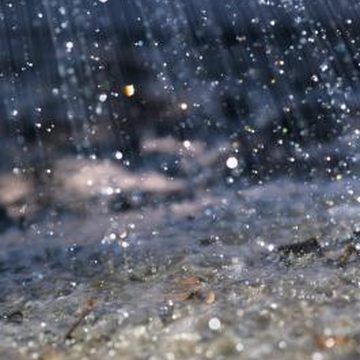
<point x="87" y="309"/>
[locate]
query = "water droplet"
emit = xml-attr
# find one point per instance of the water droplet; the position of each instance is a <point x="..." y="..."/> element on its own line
<point x="119" y="155"/>
<point x="69" y="46"/>
<point x="232" y="162"/>
<point x="183" y="106"/>
<point x="214" y="324"/>
<point x="129" y="90"/>
<point x="102" y="97"/>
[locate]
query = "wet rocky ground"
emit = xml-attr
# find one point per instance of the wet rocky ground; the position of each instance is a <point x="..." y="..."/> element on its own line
<point x="214" y="211"/>
<point x="159" y="272"/>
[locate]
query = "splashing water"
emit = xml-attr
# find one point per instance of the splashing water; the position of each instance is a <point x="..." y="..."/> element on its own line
<point x="157" y="158"/>
<point x="269" y="76"/>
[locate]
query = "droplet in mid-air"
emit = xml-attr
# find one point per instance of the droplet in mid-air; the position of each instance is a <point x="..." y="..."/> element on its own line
<point x="232" y="162"/>
<point x="102" y="97"/>
<point x="183" y="106"/>
<point x="129" y="90"/>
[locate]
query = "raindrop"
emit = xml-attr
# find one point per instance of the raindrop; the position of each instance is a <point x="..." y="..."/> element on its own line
<point x="102" y="98"/>
<point x="232" y="162"/>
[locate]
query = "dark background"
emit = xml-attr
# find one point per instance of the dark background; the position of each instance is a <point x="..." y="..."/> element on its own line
<point x="254" y="72"/>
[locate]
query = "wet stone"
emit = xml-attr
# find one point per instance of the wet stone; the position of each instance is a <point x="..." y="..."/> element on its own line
<point x="211" y="240"/>
<point x="14" y="317"/>
<point x="300" y="249"/>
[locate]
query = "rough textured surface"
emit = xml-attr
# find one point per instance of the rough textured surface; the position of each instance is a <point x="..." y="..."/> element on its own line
<point x="128" y="263"/>
<point x="179" y="179"/>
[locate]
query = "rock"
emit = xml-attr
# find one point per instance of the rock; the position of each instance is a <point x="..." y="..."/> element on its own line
<point x="300" y="249"/>
<point x="15" y="317"/>
<point x="76" y="181"/>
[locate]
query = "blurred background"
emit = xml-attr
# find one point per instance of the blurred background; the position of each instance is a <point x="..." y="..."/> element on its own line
<point x="203" y="92"/>
<point x="209" y="70"/>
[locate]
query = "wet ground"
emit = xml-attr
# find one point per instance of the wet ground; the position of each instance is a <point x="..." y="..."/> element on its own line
<point x="209" y="212"/>
<point x="198" y="277"/>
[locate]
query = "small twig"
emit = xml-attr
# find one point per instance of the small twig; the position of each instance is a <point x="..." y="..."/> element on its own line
<point x="191" y="287"/>
<point x="88" y="308"/>
<point x="347" y="253"/>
